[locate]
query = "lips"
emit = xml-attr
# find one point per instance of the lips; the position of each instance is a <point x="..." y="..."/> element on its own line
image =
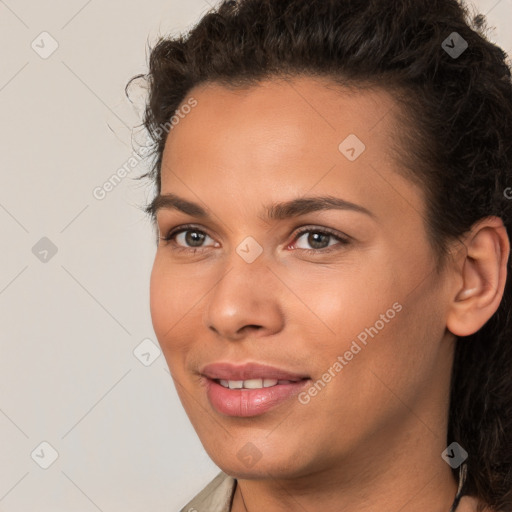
<point x="251" y="389"/>
<point x="249" y="371"/>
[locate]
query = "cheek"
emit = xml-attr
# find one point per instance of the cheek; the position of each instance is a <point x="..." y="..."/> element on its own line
<point x="159" y="300"/>
<point x="169" y="304"/>
<point x="341" y="303"/>
<point x="389" y="325"/>
<point x="399" y="350"/>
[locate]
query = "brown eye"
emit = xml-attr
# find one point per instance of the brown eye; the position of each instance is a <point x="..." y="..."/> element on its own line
<point x="319" y="240"/>
<point x="193" y="238"/>
<point x="187" y="238"/>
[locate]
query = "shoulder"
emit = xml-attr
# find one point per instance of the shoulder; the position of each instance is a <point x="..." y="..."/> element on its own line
<point x="215" y="497"/>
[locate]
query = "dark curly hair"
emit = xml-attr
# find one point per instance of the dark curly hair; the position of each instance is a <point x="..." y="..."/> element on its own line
<point x="454" y="134"/>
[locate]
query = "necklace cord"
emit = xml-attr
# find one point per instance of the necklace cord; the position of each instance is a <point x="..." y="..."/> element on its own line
<point x="463" y="472"/>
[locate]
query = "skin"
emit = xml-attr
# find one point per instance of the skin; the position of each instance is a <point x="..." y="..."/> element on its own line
<point x="372" y="438"/>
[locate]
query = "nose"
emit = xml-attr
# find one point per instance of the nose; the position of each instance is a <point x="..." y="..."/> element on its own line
<point x="246" y="301"/>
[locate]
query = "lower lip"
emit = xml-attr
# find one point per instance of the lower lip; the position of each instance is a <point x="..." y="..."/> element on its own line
<point x="250" y="402"/>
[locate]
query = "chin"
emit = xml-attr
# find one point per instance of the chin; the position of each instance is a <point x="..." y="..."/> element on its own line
<point x="251" y="463"/>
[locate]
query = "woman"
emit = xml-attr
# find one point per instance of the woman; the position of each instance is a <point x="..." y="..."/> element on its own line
<point x="331" y="288"/>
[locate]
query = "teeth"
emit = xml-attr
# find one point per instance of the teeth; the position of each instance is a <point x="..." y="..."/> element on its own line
<point x="251" y="383"/>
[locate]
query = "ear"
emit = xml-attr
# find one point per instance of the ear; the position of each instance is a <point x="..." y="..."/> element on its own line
<point x="482" y="270"/>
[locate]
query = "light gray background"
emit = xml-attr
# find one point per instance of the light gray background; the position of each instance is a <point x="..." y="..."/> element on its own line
<point x="70" y="324"/>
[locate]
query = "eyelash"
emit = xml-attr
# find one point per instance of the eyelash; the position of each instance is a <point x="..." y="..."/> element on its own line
<point x="324" y="231"/>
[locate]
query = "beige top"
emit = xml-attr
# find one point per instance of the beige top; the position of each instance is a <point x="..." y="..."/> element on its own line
<point x="215" y="497"/>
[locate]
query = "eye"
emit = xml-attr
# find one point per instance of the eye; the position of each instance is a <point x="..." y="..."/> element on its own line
<point x="187" y="238"/>
<point x="319" y="239"/>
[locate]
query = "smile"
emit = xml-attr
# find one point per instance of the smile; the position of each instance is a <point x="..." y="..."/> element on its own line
<point x="252" y="383"/>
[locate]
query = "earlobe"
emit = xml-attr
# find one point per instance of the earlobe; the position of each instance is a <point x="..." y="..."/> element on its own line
<point x="483" y="271"/>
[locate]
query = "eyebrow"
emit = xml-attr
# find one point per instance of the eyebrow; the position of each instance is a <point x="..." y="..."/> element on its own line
<point x="275" y="211"/>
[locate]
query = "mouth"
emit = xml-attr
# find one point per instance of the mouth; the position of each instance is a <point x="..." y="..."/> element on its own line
<point x="252" y="373"/>
<point x="251" y="389"/>
<point x="253" y="383"/>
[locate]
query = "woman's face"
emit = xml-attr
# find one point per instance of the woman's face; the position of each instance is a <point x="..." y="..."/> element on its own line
<point x="340" y="298"/>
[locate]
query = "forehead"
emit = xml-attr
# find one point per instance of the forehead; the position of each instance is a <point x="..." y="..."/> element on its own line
<point x="302" y="114"/>
<point x="292" y="135"/>
<point x="306" y="101"/>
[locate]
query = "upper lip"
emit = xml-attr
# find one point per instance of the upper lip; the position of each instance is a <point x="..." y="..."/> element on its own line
<point x="229" y="371"/>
